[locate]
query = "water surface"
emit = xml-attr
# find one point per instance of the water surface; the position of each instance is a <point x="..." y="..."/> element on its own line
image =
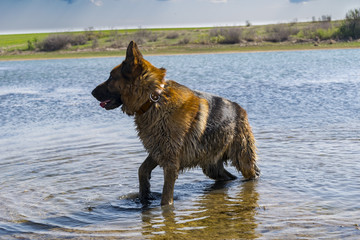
<point x="68" y="169"/>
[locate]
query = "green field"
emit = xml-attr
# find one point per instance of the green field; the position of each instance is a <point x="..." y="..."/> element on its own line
<point x="104" y="43"/>
<point x="19" y="41"/>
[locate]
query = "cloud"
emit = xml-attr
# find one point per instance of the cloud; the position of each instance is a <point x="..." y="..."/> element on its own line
<point x="219" y="1"/>
<point x="98" y="3"/>
<point x="299" y="1"/>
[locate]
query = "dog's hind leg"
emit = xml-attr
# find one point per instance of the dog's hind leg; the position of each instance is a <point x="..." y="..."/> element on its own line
<point x="144" y="178"/>
<point x="218" y="172"/>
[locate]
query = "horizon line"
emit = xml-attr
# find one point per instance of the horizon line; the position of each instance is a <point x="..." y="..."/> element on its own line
<point x="175" y="26"/>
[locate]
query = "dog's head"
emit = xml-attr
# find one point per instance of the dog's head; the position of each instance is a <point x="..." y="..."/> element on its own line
<point x="130" y="83"/>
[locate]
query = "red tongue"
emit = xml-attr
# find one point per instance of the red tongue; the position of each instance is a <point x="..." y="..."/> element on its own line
<point x="103" y="104"/>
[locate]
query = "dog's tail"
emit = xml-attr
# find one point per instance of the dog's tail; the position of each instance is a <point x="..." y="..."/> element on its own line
<point x="243" y="151"/>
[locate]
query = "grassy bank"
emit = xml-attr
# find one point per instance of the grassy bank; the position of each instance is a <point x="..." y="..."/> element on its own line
<point x="108" y="43"/>
<point x="172" y="50"/>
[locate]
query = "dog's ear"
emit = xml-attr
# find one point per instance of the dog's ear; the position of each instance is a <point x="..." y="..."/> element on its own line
<point x="133" y="54"/>
<point x="132" y="65"/>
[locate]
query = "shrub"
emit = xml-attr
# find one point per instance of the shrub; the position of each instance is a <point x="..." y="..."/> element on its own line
<point x="95" y="43"/>
<point x="141" y="36"/>
<point x="31" y="45"/>
<point x="153" y="37"/>
<point x="300" y="34"/>
<point x="350" y="29"/>
<point x="184" y="41"/>
<point x="324" y="34"/>
<point x="318" y="31"/>
<point x="54" y="42"/>
<point x="79" y="39"/>
<point x="226" y="35"/>
<point x="214" y="32"/>
<point x="172" y="35"/>
<point x="250" y="35"/>
<point x="61" y="41"/>
<point x="279" y="33"/>
<point x="118" y="43"/>
<point x="90" y="34"/>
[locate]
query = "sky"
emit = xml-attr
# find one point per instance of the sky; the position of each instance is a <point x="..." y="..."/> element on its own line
<point x="26" y="16"/>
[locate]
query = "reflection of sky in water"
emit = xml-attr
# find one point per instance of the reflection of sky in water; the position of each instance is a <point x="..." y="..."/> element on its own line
<point x="69" y="168"/>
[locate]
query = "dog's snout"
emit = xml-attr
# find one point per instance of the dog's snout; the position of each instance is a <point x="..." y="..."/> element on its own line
<point x="98" y="92"/>
<point x="93" y="92"/>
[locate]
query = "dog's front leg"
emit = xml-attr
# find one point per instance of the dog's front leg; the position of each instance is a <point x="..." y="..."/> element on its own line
<point x="170" y="176"/>
<point x="144" y="178"/>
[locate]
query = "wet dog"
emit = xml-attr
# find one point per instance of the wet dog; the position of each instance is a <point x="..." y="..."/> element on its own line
<point x="179" y="127"/>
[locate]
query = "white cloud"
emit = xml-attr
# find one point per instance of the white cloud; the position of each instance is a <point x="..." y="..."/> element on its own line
<point x="299" y="1"/>
<point x="219" y="1"/>
<point x="97" y="2"/>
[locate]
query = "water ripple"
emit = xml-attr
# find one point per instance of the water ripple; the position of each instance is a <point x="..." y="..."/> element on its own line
<point x="68" y="168"/>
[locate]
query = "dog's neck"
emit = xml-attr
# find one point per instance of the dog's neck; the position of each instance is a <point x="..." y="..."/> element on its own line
<point x="154" y="97"/>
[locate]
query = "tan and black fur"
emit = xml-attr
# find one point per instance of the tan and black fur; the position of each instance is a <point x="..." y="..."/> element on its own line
<point x="180" y="128"/>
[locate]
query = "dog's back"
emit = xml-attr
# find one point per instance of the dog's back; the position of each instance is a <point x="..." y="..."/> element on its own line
<point x="202" y="130"/>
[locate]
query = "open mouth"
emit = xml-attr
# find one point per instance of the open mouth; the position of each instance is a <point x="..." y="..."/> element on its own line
<point x="107" y="100"/>
<point x="110" y="103"/>
<point x="104" y="103"/>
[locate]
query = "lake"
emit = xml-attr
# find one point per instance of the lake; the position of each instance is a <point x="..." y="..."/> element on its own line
<point x="68" y="168"/>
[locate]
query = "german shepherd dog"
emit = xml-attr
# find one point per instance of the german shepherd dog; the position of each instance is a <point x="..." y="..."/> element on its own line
<point x="180" y="128"/>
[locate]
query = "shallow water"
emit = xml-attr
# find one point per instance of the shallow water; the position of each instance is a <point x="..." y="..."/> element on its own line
<point x="68" y="169"/>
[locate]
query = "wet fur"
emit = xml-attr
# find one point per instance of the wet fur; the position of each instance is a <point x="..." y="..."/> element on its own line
<point x="184" y="129"/>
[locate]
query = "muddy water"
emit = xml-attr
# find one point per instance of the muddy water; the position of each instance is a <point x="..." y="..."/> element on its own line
<point x="68" y="169"/>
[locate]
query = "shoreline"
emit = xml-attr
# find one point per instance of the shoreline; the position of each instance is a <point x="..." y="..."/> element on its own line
<point x="304" y="36"/>
<point x="169" y="52"/>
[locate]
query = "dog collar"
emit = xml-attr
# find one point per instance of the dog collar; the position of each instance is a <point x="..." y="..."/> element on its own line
<point x="154" y="97"/>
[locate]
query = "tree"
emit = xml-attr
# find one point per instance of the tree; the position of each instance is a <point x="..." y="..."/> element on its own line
<point x="325" y="18"/>
<point x="350" y="29"/>
<point x="31" y="45"/>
